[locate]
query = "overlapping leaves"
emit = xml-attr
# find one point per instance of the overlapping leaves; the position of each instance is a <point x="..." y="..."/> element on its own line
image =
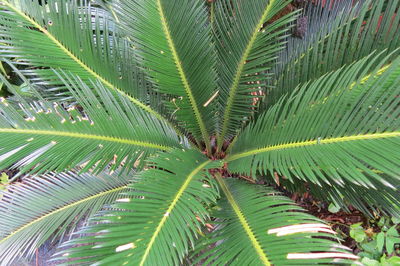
<point x="247" y="42"/>
<point x="387" y="201"/>
<point x="335" y="33"/>
<point x="335" y="131"/>
<point x="74" y="36"/>
<point x="258" y="226"/>
<point x="50" y="136"/>
<point x="43" y="207"/>
<point x="155" y="223"/>
<point x="174" y="39"/>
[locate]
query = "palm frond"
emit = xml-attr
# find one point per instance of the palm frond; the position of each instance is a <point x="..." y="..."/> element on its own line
<point x="45" y="206"/>
<point x="337" y="33"/>
<point x="157" y="223"/>
<point x="386" y="202"/>
<point x="339" y="128"/>
<point x="258" y="226"/>
<point x="174" y="40"/>
<point x="247" y="46"/>
<point x="51" y="137"/>
<point x="78" y="38"/>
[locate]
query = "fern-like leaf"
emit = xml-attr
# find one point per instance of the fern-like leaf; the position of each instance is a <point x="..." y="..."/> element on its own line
<point x="46" y="206"/>
<point x="336" y="33"/>
<point x="387" y="201"/>
<point x="50" y="137"/>
<point x="78" y="38"/>
<point x="258" y="226"/>
<point x="336" y="130"/>
<point x="174" y="39"/>
<point x="157" y="224"/>
<point x="247" y="46"/>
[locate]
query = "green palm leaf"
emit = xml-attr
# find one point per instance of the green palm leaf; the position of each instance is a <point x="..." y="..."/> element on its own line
<point x="309" y="99"/>
<point x="49" y="137"/>
<point x="387" y="201"/>
<point x="156" y="224"/>
<point x="43" y="207"/>
<point x="246" y="48"/>
<point x="78" y="38"/>
<point x="174" y="39"/>
<point x="259" y="226"/>
<point x="341" y="34"/>
<point x="329" y="131"/>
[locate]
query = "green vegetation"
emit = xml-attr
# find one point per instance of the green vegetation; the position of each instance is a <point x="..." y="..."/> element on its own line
<point x="175" y="129"/>
<point x="378" y="248"/>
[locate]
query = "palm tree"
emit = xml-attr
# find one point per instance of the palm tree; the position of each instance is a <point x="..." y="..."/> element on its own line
<point x="177" y="127"/>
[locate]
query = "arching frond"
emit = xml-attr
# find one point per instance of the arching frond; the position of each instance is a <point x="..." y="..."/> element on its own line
<point x="174" y="39"/>
<point x="49" y="137"/>
<point x="157" y="224"/>
<point x="247" y="46"/>
<point x="258" y="226"/>
<point x="336" y="33"/>
<point x="381" y="201"/>
<point x="262" y="88"/>
<point x="74" y="36"/>
<point x="337" y="129"/>
<point x="46" y="206"/>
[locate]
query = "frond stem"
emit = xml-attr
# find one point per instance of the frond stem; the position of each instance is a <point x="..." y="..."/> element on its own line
<point x="238" y="75"/>
<point x="313" y="142"/>
<point x="62" y="209"/>
<point x="243" y="221"/>
<point x="88" y="69"/>
<point x="85" y="136"/>
<point x="184" y="79"/>
<point x="170" y="209"/>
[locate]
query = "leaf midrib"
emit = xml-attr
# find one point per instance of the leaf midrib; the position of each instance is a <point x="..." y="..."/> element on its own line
<point x="170" y="209"/>
<point x="311" y="143"/>
<point x="62" y="208"/>
<point x="182" y="74"/>
<point x="82" y="64"/>
<point x="85" y="136"/>
<point x="310" y="49"/>
<point x="243" y="221"/>
<point x="238" y="75"/>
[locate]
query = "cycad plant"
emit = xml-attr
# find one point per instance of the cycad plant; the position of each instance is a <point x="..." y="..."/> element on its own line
<point x="175" y="128"/>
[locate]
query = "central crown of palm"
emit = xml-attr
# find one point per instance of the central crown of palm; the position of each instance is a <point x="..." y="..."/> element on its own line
<point x="181" y="100"/>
